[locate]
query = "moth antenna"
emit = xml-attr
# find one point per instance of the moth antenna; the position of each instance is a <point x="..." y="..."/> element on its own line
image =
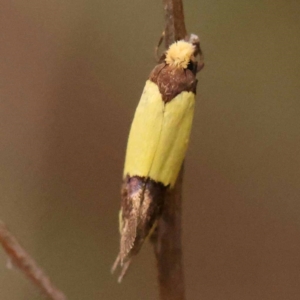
<point x="159" y="57"/>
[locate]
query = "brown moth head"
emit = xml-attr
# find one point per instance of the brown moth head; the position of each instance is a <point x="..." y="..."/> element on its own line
<point x="178" y="72"/>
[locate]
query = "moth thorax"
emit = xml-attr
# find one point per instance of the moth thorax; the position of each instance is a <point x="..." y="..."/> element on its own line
<point x="180" y="54"/>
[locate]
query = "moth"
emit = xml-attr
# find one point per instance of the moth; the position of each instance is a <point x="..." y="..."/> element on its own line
<point x="156" y="148"/>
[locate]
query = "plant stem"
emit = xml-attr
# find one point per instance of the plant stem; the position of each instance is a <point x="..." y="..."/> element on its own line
<point x="167" y="246"/>
<point x="28" y="265"/>
<point x="167" y="241"/>
<point x="174" y="18"/>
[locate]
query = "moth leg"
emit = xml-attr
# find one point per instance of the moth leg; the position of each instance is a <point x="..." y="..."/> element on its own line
<point x="200" y="66"/>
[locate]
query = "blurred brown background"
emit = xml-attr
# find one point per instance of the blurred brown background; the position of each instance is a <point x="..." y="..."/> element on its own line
<point x="71" y="75"/>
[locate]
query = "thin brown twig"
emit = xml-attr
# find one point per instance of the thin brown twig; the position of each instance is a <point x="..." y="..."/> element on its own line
<point x="167" y="241"/>
<point x="27" y="264"/>
<point x="167" y="246"/>
<point x="174" y="17"/>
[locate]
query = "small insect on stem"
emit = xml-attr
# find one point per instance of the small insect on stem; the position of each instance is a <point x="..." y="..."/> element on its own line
<point x="157" y="144"/>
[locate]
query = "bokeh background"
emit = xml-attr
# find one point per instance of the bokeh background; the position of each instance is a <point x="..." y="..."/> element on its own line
<point x="71" y="74"/>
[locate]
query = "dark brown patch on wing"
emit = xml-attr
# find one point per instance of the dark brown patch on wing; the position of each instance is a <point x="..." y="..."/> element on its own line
<point x="172" y="81"/>
<point x="142" y="202"/>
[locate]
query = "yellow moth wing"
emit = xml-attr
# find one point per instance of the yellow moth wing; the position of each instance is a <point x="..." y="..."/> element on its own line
<point x="145" y="132"/>
<point x="159" y="135"/>
<point x="174" y="138"/>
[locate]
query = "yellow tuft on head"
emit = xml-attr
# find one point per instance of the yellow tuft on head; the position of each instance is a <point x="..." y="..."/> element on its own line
<point x="179" y="54"/>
